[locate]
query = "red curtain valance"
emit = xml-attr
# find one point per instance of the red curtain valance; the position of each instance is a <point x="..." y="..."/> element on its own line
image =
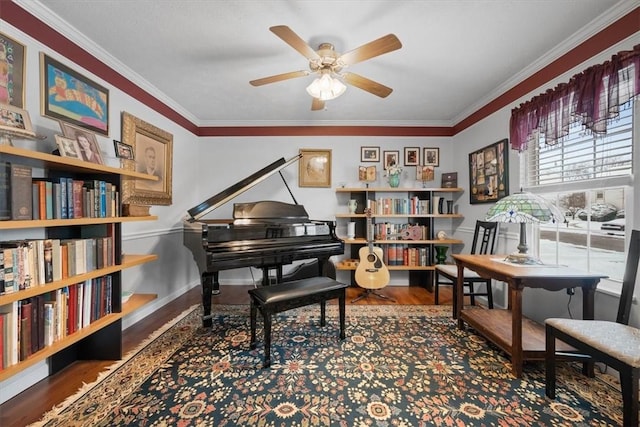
<point x="591" y="97"/>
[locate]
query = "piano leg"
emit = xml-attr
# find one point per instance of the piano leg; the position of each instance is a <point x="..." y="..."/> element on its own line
<point x="210" y="286"/>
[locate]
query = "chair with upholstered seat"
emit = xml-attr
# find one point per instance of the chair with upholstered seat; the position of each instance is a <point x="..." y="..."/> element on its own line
<point x="615" y="343"/>
<point x="484" y="238"/>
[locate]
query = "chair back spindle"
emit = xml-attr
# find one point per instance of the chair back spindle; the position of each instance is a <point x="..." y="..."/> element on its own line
<point x="629" y="279"/>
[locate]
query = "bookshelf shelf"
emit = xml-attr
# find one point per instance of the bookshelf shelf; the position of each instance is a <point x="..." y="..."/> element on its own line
<point x="101" y="338"/>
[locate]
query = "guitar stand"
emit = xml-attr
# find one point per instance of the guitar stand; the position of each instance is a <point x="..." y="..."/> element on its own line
<point x="368" y="292"/>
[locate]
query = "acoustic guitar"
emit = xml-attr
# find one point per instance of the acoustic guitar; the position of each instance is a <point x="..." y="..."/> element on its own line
<point x="371" y="272"/>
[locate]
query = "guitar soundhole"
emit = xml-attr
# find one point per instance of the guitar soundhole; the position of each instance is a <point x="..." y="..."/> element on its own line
<point x="372" y="258"/>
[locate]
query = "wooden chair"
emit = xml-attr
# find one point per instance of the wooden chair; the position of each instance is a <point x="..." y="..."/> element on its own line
<point x="484" y="239"/>
<point x="614" y="343"/>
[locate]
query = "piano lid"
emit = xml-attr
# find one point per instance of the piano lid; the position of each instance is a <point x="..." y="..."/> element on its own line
<point x="240" y="187"/>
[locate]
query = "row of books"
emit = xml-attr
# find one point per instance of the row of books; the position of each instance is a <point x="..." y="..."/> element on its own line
<point x="391" y="231"/>
<point x="25" y="198"/>
<point x="398" y="254"/>
<point x="29" y="325"/>
<point x="390" y="206"/>
<point x="29" y="263"/>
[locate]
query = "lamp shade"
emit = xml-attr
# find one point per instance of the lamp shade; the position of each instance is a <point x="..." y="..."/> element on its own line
<point x="326" y="88"/>
<point x="524" y="207"/>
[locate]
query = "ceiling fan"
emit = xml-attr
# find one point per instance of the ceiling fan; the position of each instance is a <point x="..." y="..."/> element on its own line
<point x="328" y="64"/>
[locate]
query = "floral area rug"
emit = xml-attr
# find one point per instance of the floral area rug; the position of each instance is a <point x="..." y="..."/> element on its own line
<point x="398" y="366"/>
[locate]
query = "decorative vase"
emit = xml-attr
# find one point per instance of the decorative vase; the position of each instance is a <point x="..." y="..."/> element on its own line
<point x="449" y="207"/>
<point x="352" y="205"/>
<point x="394" y="180"/>
<point x="441" y="254"/>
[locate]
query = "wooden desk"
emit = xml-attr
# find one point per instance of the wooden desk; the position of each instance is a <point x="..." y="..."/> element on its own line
<point x="519" y="337"/>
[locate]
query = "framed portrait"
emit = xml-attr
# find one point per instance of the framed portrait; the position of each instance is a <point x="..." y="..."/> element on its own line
<point x="391" y="158"/>
<point x="369" y="154"/>
<point x="123" y="151"/>
<point x="14" y="120"/>
<point x="367" y="173"/>
<point x="89" y="149"/>
<point x="12" y="68"/>
<point x="68" y="96"/>
<point x="425" y="173"/>
<point x="68" y="147"/>
<point x="314" y="168"/>
<point x="489" y="173"/>
<point x="411" y="156"/>
<point x="449" y="180"/>
<point x="431" y="157"/>
<point x="153" y="150"/>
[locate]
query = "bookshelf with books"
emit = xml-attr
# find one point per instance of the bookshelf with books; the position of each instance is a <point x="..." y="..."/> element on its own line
<point x="60" y="292"/>
<point x="405" y="222"/>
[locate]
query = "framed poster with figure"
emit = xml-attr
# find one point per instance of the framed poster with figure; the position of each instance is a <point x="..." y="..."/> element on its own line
<point x="489" y="173"/>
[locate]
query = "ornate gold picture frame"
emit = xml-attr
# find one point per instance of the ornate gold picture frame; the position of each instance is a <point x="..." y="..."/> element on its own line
<point x="314" y="168"/>
<point x="153" y="151"/>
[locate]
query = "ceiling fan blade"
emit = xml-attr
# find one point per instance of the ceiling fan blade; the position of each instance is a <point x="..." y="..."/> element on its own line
<point x="366" y="84"/>
<point x="317" y="104"/>
<point x="293" y="40"/>
<point x="279" y="78"/>
<point x="378" y="47"/>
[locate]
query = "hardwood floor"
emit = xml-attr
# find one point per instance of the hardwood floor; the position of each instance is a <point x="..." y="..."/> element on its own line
<point x="28" y="406"/>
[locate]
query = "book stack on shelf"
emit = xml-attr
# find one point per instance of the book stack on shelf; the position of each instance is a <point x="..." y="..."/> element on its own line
<point x="401" y="254"/>
<point x="25" y="198"/>
<point x="32" y="324"/>
<point x="395" y="206"/>
<point x="30" y="263"/>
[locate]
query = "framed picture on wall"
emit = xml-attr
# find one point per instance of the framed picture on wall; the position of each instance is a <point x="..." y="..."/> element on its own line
<point x="12" y="70"/>
<point x="411" y="156"/>
<point x="369" y="154"/>
<point x="88" y="146"/>
<point x="68" y="96"/>
<point x="489" y="173"/>
<point x="314" y="168"/>
<point x="391" y="158"/>
<point x="431" y="157"/>
<point x="153" y="151"/>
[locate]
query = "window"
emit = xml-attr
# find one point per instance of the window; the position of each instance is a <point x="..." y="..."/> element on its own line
<point x="590" y="179"/>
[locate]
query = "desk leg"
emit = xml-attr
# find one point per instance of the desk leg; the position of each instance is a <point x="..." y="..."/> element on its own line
<point x="588" y="303"/>
<point x="458" y="295"/>
<point x="516" y="330"/>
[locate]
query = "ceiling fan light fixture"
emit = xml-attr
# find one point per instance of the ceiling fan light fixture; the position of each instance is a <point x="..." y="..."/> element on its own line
<point x="326" y="88"/>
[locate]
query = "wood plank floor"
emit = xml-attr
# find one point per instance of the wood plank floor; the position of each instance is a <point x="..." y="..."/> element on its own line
<point x="28" y="406"/>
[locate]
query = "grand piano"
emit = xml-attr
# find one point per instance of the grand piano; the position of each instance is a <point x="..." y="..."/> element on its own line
<point x="264" y="234"/>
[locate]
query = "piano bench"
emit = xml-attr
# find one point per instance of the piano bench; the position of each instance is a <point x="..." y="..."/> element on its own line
<point x="285" y="296"/>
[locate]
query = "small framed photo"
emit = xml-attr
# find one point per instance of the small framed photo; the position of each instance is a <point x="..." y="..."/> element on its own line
<point x="425" y="173"/>
<point x="367" y="173"/>
<point x="391" y="158"/>
<point x="15" y="120"/>
<point x="123" y="151"/>
<point x="68" y="147"/>
<point x="411" y="156"/>
<point x="449" y="180"/>
<point x="314" y="168"/>
<point x="369" y="154"/>
<point x="431" y="157"/>
<point x="87" y="143"/>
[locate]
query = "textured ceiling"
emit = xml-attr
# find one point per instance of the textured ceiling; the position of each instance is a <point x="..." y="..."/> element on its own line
<point x="199" y="56"/>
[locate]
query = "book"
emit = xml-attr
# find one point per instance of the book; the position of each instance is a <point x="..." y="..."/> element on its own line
<point x="5" y="207"/>
<point x="35" y="200"/>
<point x="20" y="189"/>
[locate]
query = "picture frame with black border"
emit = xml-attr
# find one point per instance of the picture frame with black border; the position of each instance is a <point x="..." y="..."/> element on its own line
<point x="411" y="156"/>
<point x="431" y="157"/>
<point x="391" y="158"/>
<point x="369" y="154"/>
<point x="489" y="173"/>
<point x="123" y="151"/>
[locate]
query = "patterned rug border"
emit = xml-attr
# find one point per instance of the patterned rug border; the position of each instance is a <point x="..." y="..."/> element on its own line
<point x="87" y="387"/>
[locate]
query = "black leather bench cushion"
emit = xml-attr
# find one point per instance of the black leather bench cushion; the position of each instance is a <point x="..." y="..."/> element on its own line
<point x="296" y="289"/>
